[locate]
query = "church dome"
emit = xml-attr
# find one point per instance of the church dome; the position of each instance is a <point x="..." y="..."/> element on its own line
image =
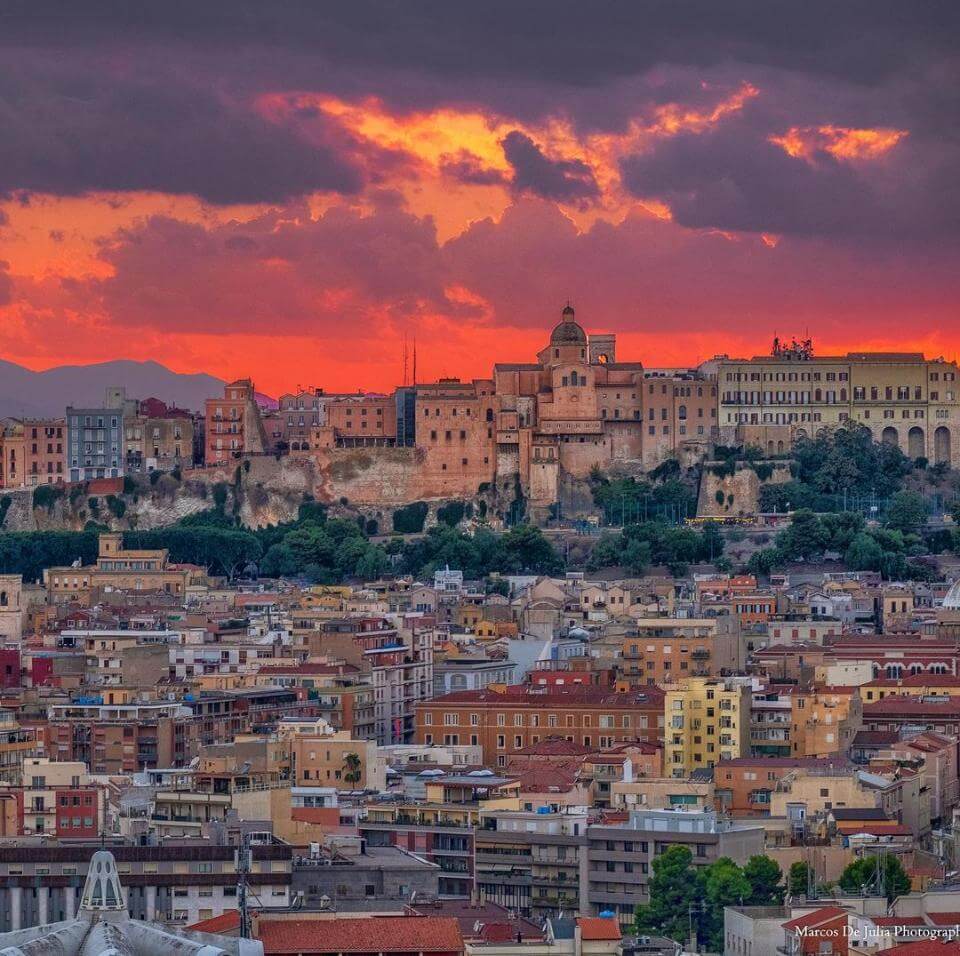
<point x="568" y="332"/>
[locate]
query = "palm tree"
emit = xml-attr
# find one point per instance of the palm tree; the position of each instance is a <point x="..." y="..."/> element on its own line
<point x="352" y="768"/>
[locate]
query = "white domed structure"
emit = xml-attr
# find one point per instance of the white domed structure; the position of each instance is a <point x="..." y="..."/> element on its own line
<point x="103" y="927"/>
<point x="951" y="600"/>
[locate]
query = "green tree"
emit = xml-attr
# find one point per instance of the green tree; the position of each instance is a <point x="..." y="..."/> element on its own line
<point x="452" y="513"/>
<point x="352" y="768"/>
<point x="765" y="560"/>
<point x="798" y="881"/>
<point x="883" y="875"/>
<point x="410" y="518"/>
<point x="806" y="537"/>
<point x="906" y="511"/>
<point x="372" y="564"/>
<point x="766" y="881"/>
<point x="674" y="887"/>
<point x="724" y="884"/>
<point x="864" y="553"/>
<point x="606" y="552"/>
<point x="279" y="562"/>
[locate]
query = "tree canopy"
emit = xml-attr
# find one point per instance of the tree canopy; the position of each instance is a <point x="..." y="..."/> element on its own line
<point x="882" y="874"/>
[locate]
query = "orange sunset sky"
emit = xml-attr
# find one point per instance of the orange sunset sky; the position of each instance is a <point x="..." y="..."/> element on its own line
<point x="289" y="191"/>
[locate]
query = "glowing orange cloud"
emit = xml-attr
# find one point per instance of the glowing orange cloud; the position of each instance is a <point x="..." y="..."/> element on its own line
<point x="804" y="142"/>
<point x="673" y="118"/>
<point x="432" y="138"/>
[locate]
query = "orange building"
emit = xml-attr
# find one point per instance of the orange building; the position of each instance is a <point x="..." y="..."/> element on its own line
<point x="233" y="424"/>
<point x="363" y="417"/>
<point x="578" y="408"/>
<point x="742" y="785"/>
<point x="44" y="443"/>
<point x="670" y="649"/>
<point x="455" y="427"/>
<point x="824" y="720"/>
<point x="12" y="470"/>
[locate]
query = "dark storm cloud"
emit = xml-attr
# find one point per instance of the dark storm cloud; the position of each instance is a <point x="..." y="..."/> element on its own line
<point x="563" y="180"/>
<point x="6" y="283"/>
<point x="69" y="129"/>
<point x="468" y="168"/>
<point x="108" y="95"/>
<point x="553" y="40"/>
<point x="733" y="176"/>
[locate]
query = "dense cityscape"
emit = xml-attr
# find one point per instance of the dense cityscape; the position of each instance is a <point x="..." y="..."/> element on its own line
<point x="589" y="655"/>
<point x="479" y="479"/>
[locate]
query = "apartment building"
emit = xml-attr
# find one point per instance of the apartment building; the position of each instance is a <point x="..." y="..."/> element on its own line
<point x="661" y="650"/>
<point x="743" y="785"/>
<point x="534" y="863"/>
<point x="506" y="720"/>
<point x="336" y="760"/>
<point x="770" y="719"/>
<point x="824" y="721"/>
<point x="56" y="798"/>
<point x="17" y="744"/>
<point x="620" y="856"/>
<point x="707" y="720"/>
<point x="32" y="452"/>
<point x="397" y="662"/>
<point x="232" y="424"/>
<point x="95" y="443"/>
<point x="158" y="437"/>
<point x="443" y="826"/>
<point x="903" y="398"/>
<point x="121" y="569"/>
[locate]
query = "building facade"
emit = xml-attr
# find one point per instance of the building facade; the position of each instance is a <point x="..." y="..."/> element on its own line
<point x="902" y="397"/>
<point x="95" y="443"/>
<point x="233" y="426"/>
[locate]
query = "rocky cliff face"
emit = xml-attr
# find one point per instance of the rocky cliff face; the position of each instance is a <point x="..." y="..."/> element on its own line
<point x="260" y="491"/>
<point x="736" y="495"/>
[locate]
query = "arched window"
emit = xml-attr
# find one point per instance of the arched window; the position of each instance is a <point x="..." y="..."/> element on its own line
<point x="489" y="414"/>
<point x="3" y="598"/>
<point x="683" y="413"/>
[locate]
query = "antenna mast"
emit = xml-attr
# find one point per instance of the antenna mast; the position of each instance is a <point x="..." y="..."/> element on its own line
<point x="243" y="868"/>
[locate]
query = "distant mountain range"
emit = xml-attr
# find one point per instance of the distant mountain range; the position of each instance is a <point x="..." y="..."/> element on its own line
<point x="24" y="393"/>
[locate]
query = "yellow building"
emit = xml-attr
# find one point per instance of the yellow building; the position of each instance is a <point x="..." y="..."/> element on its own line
<point x="122" y="569"/>
<point x="904" y="399"/>
<point x="322" y="757"/>
<point x="706" y="720"/>
<point x="914" y="685"/>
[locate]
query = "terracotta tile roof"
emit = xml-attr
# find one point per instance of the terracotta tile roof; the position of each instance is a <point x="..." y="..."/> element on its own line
<point x="925" y="947"/>
<point x="801" y="762"/>
<point x="913" y="706"/>
<point x="944" y="919"/>
<point x="594" y="928"/>
<point x="898" y="920"/>
<point x="816" y="918"/>
<point x="573" y="695"/>
<point x="226" y="922"/>
<point x="472" y="917"/>
<point x="362" y="934"/>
